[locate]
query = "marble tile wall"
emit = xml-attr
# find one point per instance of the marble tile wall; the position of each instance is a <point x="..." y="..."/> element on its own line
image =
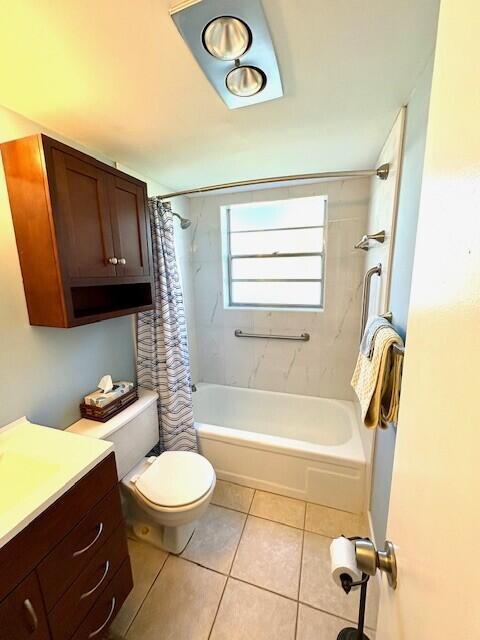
<point x="321" y="367"/>
<point x="183" y="243"/>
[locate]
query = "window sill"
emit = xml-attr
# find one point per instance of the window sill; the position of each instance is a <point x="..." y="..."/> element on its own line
<point x="279" y="309"/>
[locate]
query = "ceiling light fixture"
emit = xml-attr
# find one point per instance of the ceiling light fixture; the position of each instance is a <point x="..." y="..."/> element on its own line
<point x="231" y="42"/>
<point x="245" y="81"/>
<point x="227" y="38"/>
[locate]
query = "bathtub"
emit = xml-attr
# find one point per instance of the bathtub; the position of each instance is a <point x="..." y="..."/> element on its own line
<point x="300" y="446"/>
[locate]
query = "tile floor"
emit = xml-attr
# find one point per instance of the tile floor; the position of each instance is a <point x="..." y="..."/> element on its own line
<point x="256" y="568"/>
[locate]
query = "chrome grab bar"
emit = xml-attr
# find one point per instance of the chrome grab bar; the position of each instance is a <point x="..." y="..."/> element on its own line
<point x="304" y="337"/>
<point x="367" y="279"/>
<point x="364" y="242"/>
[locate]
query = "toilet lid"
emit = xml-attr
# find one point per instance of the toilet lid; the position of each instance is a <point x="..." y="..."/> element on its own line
<point x="176" y="478"/>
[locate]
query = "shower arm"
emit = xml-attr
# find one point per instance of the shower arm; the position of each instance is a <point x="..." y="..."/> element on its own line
<point x="364" y="242"/>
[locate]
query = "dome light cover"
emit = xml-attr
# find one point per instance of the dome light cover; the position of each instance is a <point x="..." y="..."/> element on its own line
<point x="227" y="38"/>
<point x="245" y="81"/>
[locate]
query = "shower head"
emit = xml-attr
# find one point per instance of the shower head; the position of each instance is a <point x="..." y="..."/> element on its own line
<point x="184" y="222"/>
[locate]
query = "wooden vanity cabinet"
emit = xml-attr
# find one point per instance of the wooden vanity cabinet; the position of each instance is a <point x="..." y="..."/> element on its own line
<point x="82" y="234"/>
<point x="67" y="574"/>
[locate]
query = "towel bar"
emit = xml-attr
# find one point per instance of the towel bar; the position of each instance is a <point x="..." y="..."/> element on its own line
<point x="395" y="347"/>
<point x="304" y="337"/>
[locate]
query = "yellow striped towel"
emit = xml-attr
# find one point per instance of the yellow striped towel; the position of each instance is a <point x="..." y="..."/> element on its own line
<point x="377" y="381"/>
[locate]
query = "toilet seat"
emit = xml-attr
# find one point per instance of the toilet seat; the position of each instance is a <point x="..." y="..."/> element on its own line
<point x="175" y="479"/>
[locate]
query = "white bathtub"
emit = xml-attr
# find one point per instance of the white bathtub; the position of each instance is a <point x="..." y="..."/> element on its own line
<point x="299" y="446"/>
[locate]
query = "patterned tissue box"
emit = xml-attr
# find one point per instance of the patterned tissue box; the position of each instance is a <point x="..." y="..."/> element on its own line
<point x="117" y="400"/>
<point x="100" y="399"/>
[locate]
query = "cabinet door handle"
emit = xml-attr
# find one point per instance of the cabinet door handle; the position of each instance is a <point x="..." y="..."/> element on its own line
<point x="32" y="616"/>
<point x="89" y="593"/>
<point x="122" y="261"/>
<point x="90" y="545"/>
<point x="102" y="627"/>
<point x="113" y="260"/>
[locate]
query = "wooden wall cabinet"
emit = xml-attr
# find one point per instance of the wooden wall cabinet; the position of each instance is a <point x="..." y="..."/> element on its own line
<point x="82" y="234"/>
<point x="68" y="573"/>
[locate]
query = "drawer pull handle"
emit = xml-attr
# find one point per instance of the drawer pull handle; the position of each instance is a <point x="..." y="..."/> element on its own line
<point x="89" y="546"/>
<point x="89" y="593"/>
<point x="33" y="620"/>
<point x="110" y="614"/>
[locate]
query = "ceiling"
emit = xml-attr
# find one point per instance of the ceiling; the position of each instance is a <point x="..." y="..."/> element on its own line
<point x="115" y="76"/>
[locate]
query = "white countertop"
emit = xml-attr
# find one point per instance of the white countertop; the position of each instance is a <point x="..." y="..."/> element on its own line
<point x="38" y="465"/>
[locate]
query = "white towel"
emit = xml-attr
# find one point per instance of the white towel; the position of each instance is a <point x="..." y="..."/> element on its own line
<point x="370" y="333"/>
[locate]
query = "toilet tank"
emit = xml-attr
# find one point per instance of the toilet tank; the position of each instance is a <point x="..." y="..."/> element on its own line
<point x="133" y="431"/>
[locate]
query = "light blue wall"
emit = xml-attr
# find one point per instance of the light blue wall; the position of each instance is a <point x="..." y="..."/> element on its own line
<point x="45" y="372"/>
<point x="409" y="200"/>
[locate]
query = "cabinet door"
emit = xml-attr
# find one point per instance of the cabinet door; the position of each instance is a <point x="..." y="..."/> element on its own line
<point x="84" y="217"/>
<point x="130" y="231"/>
<point x="22" y="616"/>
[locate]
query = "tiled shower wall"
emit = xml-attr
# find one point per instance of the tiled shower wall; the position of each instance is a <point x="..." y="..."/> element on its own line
<point x="323" y="366"/>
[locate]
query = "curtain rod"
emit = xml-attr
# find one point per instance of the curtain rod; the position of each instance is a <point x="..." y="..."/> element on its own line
<point x="381" y="172"/>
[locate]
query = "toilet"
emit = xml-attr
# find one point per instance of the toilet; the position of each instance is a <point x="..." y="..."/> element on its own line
<point x="163" y="497"/>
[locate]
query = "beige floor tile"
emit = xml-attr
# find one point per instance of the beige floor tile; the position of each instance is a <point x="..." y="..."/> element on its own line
<point x="216" y="538"/>
<point x="279" y="508"/>
<point x="147" y="562"/>
<point x="269" y="556"/>
<point x="333" y="523"/>
<point x="318" y="589"/>
<point x="248" y="613"/>
<point x="317" y="625"/>
<point x="232" y="496"/>
<point x="181" y="605"/>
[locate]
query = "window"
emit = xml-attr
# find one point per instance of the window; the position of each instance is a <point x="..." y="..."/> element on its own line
<point x="274" y="253"/>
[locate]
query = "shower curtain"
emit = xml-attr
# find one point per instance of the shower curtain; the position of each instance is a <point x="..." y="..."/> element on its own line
<point x="162" y="346"/>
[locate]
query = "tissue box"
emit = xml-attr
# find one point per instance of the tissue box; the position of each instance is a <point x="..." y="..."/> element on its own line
<point x="101" y="398"/>
<point x="104" y="411"/>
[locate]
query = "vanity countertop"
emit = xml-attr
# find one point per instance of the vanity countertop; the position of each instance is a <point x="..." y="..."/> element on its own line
<point x="38" y="465"/>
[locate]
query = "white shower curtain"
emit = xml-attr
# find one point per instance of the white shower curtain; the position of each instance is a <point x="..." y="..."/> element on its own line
<point x="163" y="363"/>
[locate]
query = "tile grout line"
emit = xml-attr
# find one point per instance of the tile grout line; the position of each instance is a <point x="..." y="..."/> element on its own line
<point x="253" y="515"/>
<point x="218" y="606"/>
<point x="229" y="572"/>
<point x="334" y="615"/>
<point x="282" y="495"/>
<point x="304" y="527"/>
<point x="148" y="591"/>
<point x="300" y="572"/>
<point x="239" y="540"/>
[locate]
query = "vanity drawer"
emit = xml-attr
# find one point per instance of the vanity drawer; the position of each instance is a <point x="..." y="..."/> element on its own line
<point x="107" y="605"/>
<point x="68" y="559"/>
<point x="74" y="605"/>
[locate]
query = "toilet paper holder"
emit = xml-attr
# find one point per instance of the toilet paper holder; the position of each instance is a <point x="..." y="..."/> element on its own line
<point x="369" y="559"/>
